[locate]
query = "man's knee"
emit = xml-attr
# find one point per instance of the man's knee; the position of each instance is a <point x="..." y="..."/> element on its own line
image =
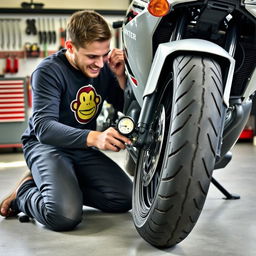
<point x="125" y="206"/>
<point x="119" y="204"/>
<point x="61" y="223"/>
<point x="63" y="218"/>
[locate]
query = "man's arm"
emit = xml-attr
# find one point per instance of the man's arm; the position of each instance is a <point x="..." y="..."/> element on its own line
<point x="46" y="100"/>
<point x="111" y="139"/>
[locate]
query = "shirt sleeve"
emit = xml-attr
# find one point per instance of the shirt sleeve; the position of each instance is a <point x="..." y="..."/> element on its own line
<point x="47" y="92"/>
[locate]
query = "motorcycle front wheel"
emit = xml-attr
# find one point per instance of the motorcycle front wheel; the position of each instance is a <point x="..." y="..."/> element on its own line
<point x="173" y="174"/>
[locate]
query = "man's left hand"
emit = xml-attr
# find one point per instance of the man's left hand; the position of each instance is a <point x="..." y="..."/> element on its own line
<point x="116" y="64"/>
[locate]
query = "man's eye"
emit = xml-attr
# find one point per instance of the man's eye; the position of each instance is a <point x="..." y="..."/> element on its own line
<point x="91" y="56"/>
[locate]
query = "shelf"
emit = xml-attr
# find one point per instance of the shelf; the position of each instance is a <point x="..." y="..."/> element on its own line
<point x="22" y="54"/>
<point x="58" y="11"/>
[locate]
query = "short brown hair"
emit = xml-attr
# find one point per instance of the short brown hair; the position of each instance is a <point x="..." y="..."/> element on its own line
<point x="86" y="27"/>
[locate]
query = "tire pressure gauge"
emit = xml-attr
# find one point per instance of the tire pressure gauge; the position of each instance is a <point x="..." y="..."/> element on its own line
<point x="125" y="125"/>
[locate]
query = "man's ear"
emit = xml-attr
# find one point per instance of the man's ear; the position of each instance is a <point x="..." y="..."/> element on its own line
<point x="69" y="46"/>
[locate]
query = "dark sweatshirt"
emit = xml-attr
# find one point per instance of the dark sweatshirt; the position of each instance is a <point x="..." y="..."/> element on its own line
<point x="66" y="103"/>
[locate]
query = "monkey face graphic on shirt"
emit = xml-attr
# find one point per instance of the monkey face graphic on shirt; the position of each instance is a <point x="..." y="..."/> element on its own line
<point x="85" y="106"/>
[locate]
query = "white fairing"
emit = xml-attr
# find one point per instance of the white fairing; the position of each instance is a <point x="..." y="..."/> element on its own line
<point x="188" y="45"/>
<point x="139" y="49"/>
<point x="137" y="38"/>
<point x="250" y="6"/>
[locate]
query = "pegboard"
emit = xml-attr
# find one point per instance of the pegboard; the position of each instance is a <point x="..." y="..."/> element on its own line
<point x="16" y="33"/>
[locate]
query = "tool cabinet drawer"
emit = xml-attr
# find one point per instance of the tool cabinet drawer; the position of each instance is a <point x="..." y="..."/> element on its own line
<point x="13" y="111"/>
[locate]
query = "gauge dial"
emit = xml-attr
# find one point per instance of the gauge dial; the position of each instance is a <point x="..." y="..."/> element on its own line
<point x="125" y="125"/>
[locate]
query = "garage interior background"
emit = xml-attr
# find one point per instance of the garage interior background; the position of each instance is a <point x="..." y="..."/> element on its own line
<point x="225" y="227"/>
<point x="29" y="34"/>
<point x="30" y="31"/>
<point x="20" y="29"/>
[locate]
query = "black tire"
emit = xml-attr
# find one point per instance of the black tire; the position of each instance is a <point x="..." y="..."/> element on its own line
<point x="173" y="175"/>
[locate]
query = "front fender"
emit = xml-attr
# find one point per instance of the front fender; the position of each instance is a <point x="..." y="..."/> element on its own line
<point x="190" y="46"/>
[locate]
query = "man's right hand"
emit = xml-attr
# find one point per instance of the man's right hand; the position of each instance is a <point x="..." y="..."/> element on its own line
<point x="110" y="139"/>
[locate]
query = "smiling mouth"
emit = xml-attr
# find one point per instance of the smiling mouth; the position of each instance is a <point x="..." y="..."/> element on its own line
<point x="87" y="112"/>
<point x="94" y="70"/>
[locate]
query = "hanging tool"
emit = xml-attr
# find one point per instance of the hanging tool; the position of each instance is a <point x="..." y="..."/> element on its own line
<point x="31" y="27"/>
<point x="27" y="46"/>
<point x="40" y="35"/>
<point x="19" y="34"/>
<point x="53" y="32"/>
<point x="44" y="34"/>
<point x="13" y="35"/>
<point x="49" y="33"/>
<point x="34" y="29"/>
<point x="2" y="34"/>
<point x="8" y="64"/>
<point x="28" y="28"/>
<point x="45" y="39"/>
<point x="32" y="50"/>
<point x="62" y="35"/>
<point x="15" y="67"/>
<point x="8" y="41"/>
<point x="11" y="65"/>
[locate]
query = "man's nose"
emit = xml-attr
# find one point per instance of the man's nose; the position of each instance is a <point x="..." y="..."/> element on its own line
<point x="100" y="62"/>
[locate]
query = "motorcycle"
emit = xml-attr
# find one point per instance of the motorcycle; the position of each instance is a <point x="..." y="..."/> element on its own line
<point x="191" y="79"/>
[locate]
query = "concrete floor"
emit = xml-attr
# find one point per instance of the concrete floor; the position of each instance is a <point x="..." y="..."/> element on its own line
<point x="224" y="228"/>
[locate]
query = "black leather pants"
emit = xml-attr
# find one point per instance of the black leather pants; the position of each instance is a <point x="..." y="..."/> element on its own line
<point x="65" y="180"/>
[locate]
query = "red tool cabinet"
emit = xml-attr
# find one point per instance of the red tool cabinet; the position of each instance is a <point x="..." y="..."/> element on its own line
<point x="13" y="111"/>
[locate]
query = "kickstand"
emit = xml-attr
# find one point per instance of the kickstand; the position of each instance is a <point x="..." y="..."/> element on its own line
<point x="228" y="195"/>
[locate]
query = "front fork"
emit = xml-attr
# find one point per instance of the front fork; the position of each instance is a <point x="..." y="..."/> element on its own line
<point x="144" y="135"/>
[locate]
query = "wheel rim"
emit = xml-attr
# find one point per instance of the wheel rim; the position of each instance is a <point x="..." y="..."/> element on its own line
<point x="152" y="155"/>
<point x="148" y="171"/>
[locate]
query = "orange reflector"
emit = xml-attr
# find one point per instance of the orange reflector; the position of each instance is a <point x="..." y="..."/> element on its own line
<point x="158" y="8"/>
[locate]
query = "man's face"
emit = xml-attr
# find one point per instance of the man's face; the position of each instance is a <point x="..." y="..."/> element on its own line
<point x="90" y="59"/>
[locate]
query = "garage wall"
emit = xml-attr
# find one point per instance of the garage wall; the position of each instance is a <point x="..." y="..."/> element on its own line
<point x="73" y="4"/>
<point x="22" y="50"/>
<point x="13" y="28"/>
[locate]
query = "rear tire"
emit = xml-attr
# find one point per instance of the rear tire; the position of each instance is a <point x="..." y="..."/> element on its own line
<point x="173" y="175"/>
